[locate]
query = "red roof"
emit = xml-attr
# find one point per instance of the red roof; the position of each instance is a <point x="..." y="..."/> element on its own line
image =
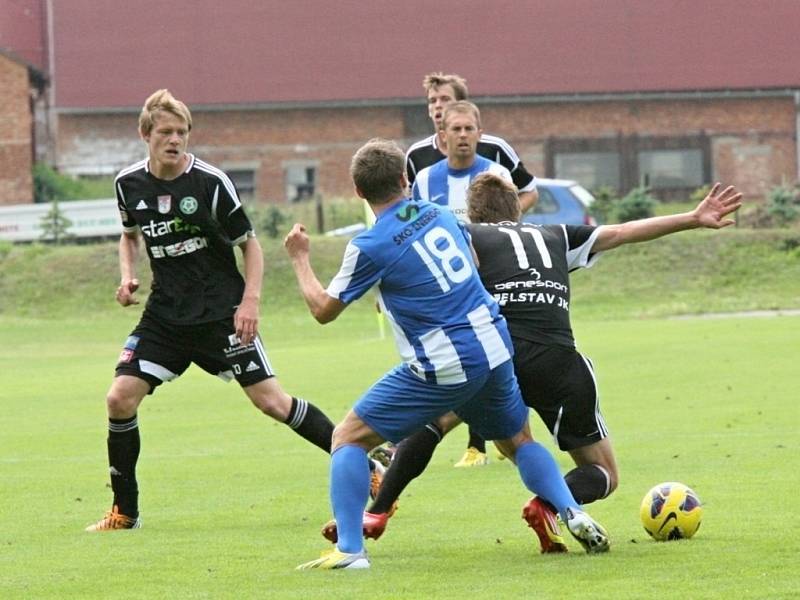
<point x="114" y="53"/>
<point x="21" y="31"/>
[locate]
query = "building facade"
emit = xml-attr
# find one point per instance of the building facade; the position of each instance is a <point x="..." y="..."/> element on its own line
<point x="16" y="131"/>
<point x="620" y="93"/>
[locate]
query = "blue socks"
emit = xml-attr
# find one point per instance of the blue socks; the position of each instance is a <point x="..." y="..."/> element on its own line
<point x="541" y="475"/>
<point x="349" y="489"/>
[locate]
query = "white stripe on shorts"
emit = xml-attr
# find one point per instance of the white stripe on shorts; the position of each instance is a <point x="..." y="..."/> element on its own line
<point x="262" y="353"/>
<point x="156" y="370"/>
<point x="598" y="417"/>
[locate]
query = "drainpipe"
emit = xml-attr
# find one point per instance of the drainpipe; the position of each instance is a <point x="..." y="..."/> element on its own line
<point x="797" y="132"/>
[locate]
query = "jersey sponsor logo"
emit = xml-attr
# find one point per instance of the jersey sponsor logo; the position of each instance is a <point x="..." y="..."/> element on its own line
<point x="142" y="205"/>
<point x="237" y="348"/>
<point x="409" y="211"/>
<point x="252" y="367"/>
<point x="180" y="248"/>
<point x="504" y="298"/>
<point x="420" y="223"/>
<point x="155" y="229"/>
<point x="164" y="204"/>
<point x="547" y="284"/>
<point x="188" y="205"/>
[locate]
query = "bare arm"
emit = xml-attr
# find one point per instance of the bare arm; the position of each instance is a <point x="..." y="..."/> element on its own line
<point x="323" y="307"/>
<point x="128" y="255"/>
<point x="528" y="200"/>
<point x="710" y="213"/>
<point x="245" y="319"/>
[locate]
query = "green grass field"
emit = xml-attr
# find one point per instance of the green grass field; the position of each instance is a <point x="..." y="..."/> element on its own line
<point x="232" y="501"/>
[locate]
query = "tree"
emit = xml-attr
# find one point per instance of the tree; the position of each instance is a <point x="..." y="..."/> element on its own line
<point x="55" y="225"/>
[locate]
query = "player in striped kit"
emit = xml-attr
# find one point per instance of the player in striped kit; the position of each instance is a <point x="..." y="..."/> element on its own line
<point x="455" y="348"/>
<point x="441" y="90"/>
<point x="446" y="181"/>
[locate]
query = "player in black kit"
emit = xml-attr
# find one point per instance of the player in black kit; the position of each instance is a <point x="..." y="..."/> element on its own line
<point x="526" y="268"/>
<point x="200" y="310"/>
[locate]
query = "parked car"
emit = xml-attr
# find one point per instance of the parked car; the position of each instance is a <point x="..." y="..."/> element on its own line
<point x="561" y="201"/>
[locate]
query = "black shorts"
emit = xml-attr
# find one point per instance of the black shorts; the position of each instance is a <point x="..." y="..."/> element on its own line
<point x="559" y="384"/>
<point x="157" y="352"/>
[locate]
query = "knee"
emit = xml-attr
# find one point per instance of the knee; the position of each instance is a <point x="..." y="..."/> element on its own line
<point x="274" y="403"/>
<point x="339" y="437"/>
<point x="121" y="405"/>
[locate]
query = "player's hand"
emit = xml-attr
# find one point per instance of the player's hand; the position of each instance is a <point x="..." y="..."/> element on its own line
<point x="245" y="320"/>
<point x="711" y="212"/>
<point x="297" y="242"/>
<point x="126" y="290"/>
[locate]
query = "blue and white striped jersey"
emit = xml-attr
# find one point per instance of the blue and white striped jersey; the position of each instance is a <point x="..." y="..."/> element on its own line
<point x="447" y="327"/>
<point x="446" y="186"/>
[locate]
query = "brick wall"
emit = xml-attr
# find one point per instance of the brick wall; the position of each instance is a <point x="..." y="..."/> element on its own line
<point x="16" y="183"/>
<point x="751" y="140"/>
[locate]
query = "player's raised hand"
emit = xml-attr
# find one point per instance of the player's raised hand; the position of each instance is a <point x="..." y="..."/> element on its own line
<point x="126" y="290"/>
<point x="297" y="242"/>
<point x="717" y="205"/>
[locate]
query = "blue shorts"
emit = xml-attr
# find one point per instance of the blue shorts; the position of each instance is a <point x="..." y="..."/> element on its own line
<point x="400" y="403"/>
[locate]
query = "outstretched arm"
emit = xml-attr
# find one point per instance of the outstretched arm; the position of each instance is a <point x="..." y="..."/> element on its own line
<point x="323" y="307"/>
<point x="711" y="213"/>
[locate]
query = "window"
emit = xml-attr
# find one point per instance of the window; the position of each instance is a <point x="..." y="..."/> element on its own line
<point x="590" y="169"/>
<point x="245" y="182"/>
<point x="670" y="166"/>
<point x="300" y="181"/>
<point x="546" y="205"/>
<point x="671" y="169"/>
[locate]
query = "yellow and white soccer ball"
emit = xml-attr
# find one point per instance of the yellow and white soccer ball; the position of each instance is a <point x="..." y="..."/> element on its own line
<point x="671" y="511"/>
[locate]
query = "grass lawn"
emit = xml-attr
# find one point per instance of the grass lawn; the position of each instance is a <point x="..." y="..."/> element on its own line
<point x="232" y="501"/>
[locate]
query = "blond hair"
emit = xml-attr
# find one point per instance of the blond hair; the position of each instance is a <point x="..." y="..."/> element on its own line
<point x="463" y="107"/>
<point x="158" y="101"/>
<point x="492" y="199"/>
<point x="436" y="80"/>
<point x="377" y="170"/>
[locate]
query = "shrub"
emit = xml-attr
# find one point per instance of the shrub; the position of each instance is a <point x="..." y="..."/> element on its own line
<point x="783" y="204"/>
<point x="699" y="194"/>
<point x="49" y="185"/>
<point x="269" y="220"/>
<point x="603" y="207"/>
<point x="637" y="204"/>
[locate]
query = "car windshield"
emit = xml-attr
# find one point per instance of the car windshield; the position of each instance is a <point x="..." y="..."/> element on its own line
<point x="582" y="194"/>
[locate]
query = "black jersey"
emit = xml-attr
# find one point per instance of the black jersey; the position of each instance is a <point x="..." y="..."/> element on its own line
<point x="425" y="153"/>
<point x="526" y="268"/>
<point x="190" y="226"/>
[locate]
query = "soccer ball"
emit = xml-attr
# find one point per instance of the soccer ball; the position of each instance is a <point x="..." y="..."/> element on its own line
<point x="671" y="511"/>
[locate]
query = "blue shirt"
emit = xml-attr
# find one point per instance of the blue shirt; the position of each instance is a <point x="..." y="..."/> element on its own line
<point x="446" y="325"/>
<point x="444" y="185"/>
